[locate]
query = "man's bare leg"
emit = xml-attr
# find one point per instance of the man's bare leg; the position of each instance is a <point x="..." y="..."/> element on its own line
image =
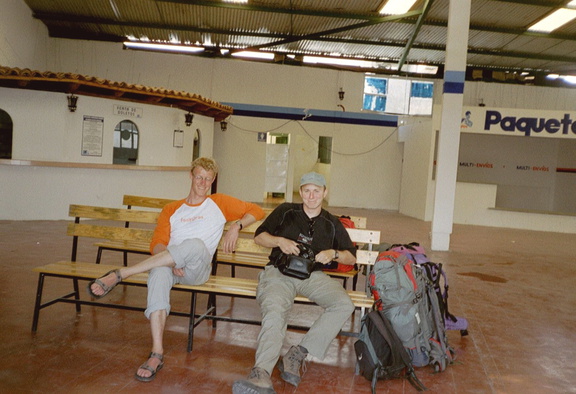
<point x="162" y="259"/>
<point x="157" y="324"/>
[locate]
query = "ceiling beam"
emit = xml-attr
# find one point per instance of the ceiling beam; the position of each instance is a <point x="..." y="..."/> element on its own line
<point x="412" y="38"/>
<point x="276" y="10"/>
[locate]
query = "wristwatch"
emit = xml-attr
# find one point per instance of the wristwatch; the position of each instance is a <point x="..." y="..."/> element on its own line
<point x="335" y="254"/>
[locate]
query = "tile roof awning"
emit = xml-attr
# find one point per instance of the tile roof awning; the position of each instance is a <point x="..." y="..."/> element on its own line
<point x="99" y="87"/>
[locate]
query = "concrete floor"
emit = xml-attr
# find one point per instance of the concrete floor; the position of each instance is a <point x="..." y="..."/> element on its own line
<point x="515" y="287"/>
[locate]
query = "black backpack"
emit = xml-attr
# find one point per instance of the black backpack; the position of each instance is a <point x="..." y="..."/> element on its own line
<point x="380" y="354"/>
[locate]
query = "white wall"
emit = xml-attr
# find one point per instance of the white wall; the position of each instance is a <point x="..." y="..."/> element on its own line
<point x="418" y="136"/>
<point x="508" y="95"/>
<point x="23" y="40"/>
<point x="44" y="193"/>
<point x="44" y="129"/>
<point x="361" y="160"/>
<point x="565" y="183"/>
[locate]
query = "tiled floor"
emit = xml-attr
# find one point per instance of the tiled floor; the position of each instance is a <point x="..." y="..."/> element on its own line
<point x="515" y="287"/>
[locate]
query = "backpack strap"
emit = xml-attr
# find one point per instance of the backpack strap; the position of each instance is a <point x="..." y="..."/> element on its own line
<point x="385" y="329"/>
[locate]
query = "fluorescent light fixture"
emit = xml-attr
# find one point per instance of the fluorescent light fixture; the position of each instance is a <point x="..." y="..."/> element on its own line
<point x="554" y="20"/>
<point x="571" y="79"/>
<point x="397" y="7"/>
<point x="236" y="1"/>
<point x="572" y="4"/>
<point x="340" y="62"/>
<point x="420" y="69"/>
<point x="411" y="68"/>
<point x="254" y="55"/>
<point x="162" y="47"/>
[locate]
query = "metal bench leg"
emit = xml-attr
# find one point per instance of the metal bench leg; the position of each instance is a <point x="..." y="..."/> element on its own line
<point x="99" y="256"/>
<point x="192" y="321"/>
<point x="212" y="305"/>
<point x="38" y="302"/>
<point x="125" y="259"/>
<point x="77" y="295"/>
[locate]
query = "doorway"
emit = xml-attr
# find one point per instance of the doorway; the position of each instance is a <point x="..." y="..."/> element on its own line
<point x="277" y="160"/>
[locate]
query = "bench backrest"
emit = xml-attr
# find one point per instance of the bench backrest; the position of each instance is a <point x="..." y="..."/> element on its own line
<point x="117" y="233"/>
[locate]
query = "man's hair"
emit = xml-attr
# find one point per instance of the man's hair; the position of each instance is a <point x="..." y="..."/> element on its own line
<point x="206" y="163"/>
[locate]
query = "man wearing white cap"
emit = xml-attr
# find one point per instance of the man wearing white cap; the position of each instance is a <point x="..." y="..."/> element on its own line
<point x="287" y="227"/>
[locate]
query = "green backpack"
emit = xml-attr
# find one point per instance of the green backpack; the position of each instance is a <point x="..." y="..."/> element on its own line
<point x="404" y="294"/>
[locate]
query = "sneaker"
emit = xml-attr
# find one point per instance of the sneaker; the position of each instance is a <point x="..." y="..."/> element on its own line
<point x="291" y="363"/>
<point x="258" y="382"/>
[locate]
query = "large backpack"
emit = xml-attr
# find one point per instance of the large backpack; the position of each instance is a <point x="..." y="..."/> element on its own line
<point x="439" y="279"/>
<point x="380" y="354"/>
<point x="406" y="297"/>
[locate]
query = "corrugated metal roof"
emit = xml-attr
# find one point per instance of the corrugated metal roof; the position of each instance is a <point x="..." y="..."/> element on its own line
<point x="497" y="38"/>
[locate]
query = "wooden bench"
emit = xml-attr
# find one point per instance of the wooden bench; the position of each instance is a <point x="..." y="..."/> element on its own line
<point x="215" y="286"/>
<point x="128" y="241"/>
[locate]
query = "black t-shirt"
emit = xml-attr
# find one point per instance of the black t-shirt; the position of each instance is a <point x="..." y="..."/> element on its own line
<point x="322" y="232"/>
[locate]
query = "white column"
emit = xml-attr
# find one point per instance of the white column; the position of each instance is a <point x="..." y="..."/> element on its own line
<point x="449" y="138"/>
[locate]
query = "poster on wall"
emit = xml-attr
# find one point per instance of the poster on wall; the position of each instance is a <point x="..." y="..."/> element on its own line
<point x="92" y="134"/>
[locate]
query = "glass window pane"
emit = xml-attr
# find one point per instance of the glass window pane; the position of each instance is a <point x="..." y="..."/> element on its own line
<point x="375" y="85"/>
<point x="125" y="143"/>
<point x="422" y="89"/>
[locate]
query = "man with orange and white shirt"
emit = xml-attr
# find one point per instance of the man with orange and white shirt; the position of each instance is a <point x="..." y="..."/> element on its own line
<point x="185" y="239"/>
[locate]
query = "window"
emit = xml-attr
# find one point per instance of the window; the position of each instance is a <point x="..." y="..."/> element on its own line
<point x="126" y="139"/>
<point x="325" y="150"/>
<point x="398" y="96"/>
<point x="5" y="135"/>
<point x="375" y="94"/>
<point x="421" y="95"/>
<point x="196" y="147"/>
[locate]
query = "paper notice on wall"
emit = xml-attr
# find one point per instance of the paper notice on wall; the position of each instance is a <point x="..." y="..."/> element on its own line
<point x="92" y="135"/>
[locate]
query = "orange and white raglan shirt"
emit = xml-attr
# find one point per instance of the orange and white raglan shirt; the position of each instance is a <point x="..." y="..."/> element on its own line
<point x="179" y="220"/>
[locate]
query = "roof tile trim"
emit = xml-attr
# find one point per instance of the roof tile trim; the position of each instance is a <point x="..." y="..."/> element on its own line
<point x="100" y="87"/>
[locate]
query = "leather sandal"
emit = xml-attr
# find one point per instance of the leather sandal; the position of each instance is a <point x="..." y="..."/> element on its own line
<point x="107" y="289"/>
<point x="149" y="368"/>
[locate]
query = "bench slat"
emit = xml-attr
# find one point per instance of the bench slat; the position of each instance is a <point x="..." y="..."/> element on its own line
<point x="117" y="214"/>
<point x="145" y="202"/>
<point x="110" y="232"/>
